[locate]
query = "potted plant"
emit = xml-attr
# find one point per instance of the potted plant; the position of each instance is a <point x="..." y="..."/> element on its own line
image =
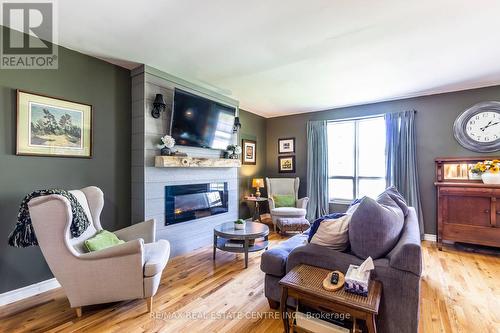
<point x="239" y="224"/>
<point x="166" y="144"/>
<point x="488" y="170"/>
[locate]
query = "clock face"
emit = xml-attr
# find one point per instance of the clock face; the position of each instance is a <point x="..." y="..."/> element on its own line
<point x="484" y="127"/>
<point x="478" y="127"/>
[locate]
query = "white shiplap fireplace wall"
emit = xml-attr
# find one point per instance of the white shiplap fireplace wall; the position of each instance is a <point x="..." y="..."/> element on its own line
<point x="148" y="182"/>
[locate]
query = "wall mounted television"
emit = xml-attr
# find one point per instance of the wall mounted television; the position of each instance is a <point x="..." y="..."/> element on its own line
<point x="200" y="122"/>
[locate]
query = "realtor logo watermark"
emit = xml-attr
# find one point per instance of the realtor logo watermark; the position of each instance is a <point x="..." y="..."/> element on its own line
<point x="30" y="43"/>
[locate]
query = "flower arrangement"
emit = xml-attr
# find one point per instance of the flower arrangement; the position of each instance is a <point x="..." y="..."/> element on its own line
<point x="486" y="167"/>
<point x="488" y="170"/>
<point x="232" y="151"/>
<point x="166" y="142"/>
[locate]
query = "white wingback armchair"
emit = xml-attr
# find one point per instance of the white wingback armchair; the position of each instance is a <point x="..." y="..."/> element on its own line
<point x="285" y="186"/>
<point x="125" y="271"/>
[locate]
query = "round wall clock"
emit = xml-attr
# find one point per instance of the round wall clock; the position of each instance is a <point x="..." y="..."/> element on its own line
<point x="478" y="128"/>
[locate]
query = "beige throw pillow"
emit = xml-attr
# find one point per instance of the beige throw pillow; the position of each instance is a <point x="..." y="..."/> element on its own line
<point x="333" y="233"/>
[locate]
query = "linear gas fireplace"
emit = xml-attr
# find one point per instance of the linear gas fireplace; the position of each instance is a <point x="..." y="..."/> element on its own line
<point x="194" y="201"/>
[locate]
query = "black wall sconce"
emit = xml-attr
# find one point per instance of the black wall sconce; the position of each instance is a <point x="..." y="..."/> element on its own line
<point x="158" y="106"/>
<point x="237" y="125"/>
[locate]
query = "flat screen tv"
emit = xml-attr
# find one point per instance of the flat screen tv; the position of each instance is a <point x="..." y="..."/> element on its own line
<point x="200" y="122"/>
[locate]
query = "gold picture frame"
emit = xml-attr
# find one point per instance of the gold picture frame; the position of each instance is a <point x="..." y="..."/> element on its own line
<point x="49" y="126"/>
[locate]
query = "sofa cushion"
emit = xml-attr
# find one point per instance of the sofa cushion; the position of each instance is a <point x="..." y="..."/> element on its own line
<point x="156" y="257"/>
<point x="317" y="222"/>
<point x="398" y="199"/>
<point x="274" y="260"/>
<point x="375" y="227"/>
<point x="289" y="211"/>
<point x="333" y="233"/>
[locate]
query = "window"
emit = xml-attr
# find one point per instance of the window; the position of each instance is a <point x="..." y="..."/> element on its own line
<point x="356" y="158"/>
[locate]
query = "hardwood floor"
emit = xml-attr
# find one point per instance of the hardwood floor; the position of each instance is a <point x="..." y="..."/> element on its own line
<point x="460" y="293"/>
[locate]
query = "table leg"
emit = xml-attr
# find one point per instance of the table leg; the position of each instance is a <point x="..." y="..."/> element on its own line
<point x="246" y="252"/>
<point x="370" y="324"/>
<point x="283" y="309"/>
<point x="215" y="245"/>
<point x="266" y="238"/>
<point x="257" y="211"/>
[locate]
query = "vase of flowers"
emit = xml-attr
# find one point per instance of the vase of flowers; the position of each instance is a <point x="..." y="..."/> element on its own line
<point x="166" y="144"/>
<point x="489" y="171"/>
<point x="233" y="152"/>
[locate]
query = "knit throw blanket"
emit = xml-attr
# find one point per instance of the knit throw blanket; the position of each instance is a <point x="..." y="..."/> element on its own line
<point x="23" y="234"/>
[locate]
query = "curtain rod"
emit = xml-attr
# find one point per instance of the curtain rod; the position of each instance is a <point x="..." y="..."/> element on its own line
<point x="363" y="117"/>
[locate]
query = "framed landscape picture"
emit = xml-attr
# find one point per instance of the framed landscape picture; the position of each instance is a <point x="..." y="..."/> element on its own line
<point x="48" y="126"/>
<point x="286" y="146"/>
<point x="249" y="155"/>
<point x="286" y="164"/>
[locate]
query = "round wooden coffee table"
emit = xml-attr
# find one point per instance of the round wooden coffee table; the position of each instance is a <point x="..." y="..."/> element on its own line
<point x="229" y="239"/>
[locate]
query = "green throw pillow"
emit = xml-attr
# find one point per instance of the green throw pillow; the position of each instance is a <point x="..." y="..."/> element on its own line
<point x="103" y="239"/>
<point x="284" y="200"/>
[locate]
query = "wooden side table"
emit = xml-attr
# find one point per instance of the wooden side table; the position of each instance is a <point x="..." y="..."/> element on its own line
<point x="305" y="284"/>
<point x="256" y="201"/>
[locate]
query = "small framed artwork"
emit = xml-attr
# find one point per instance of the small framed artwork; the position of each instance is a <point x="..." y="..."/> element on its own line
<point x="249" y="152"/>
<point x="48" y="126"/>
<point x="286" y="146"/>
<point x="286" y="164"/>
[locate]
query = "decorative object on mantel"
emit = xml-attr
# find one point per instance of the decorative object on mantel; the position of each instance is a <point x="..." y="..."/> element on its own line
<point x="257" y="183"/>
<point x="286" y="146"/>
<point x="179" y="154"/>
<point x="478" y="128"/>
<point x="249" y="152"/>
<point x="489" y="171"/>
<point x="237" y="125"/>
<point x="239" y="224"/>
<point x="286" y="164"/>
<point x="158" y="106"/>
<point x="195" y="162"/>
<point x="48" y="126"/>
<point x="232" y="152"/>
<point x="166" y="145"/>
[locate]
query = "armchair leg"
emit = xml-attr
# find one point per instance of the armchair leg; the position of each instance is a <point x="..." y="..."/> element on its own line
<point x="78" y="311"/>
<point x="149" y="301"/>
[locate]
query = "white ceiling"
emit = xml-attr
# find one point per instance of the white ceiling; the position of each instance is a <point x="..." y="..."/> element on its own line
<point x="291" y="56"/>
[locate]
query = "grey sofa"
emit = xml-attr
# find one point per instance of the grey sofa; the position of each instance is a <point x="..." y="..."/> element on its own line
<point x="399" y="271"/>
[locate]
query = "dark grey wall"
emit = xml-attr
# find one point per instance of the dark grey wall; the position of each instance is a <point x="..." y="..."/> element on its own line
<point x="253" y="127"/>
<point x="82" y="79"/>
<point x="434" y="122"/>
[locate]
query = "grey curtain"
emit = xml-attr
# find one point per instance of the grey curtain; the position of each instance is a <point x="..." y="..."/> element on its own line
<point x="401" y="159"/>
<point x="317" y="169"/>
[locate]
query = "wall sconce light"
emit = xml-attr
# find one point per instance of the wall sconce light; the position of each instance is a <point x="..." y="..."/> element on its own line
<point x="237" y="125"/>
<point x="158" y="106"/>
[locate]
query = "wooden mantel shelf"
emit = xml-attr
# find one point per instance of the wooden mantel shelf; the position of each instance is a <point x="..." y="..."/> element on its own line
<point x="195" y="162"/>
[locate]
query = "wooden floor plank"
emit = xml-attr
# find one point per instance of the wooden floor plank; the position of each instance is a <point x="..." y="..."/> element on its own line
<point x="460" y="293"/>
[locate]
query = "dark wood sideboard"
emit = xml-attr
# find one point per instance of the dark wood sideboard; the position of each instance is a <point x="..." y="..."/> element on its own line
<point x="468" y="211"/>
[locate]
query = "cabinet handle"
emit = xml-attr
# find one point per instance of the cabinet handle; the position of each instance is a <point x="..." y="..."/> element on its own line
<point x="486" y="211"/>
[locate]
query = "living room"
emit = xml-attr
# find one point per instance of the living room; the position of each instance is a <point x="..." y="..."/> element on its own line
<point x="224" y="166"/>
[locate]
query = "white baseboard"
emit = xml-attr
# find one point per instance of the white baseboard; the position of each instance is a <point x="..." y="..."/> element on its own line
<point x="430" y="237"/>
<point x="28" y="291"/>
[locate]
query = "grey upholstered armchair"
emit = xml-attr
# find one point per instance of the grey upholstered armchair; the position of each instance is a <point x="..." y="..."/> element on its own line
<point x="285" y="186"/>
<point x="125" y="271"/>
